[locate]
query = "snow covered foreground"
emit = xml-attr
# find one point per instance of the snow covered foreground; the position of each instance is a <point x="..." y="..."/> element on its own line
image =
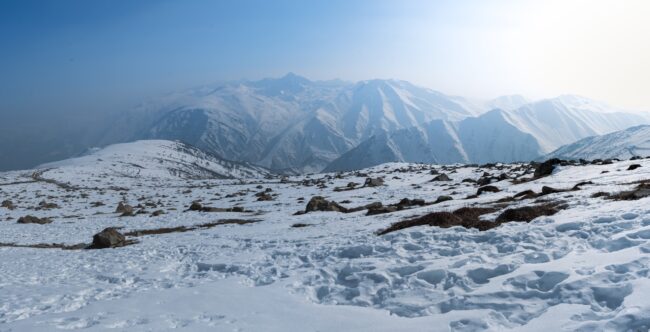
<point x="585" y="268"/>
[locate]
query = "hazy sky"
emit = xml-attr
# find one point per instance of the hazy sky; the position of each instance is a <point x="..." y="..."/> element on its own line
<point x="103" y="54"/>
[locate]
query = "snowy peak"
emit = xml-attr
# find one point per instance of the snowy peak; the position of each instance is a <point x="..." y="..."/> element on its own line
<point x="290" y="84"/>
<point x="622" y="144"/>
<point x="154" y="159"/>
<point x="508" y="102"/>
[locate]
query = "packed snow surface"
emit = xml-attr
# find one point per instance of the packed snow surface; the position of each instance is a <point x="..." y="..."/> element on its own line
<point x="585" y="268"/>
<point x="155" y="158"/>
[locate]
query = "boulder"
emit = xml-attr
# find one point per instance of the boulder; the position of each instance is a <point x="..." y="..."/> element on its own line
<point x="264" y="197"/>
<point x="443" y="198"/>
<point x="491" y="189"/>
<point x="405" y="202"/>
<point x="484" y="181"/>
<point x="319" y="203"/>
<point x="441" y="177"/>
<point x="546" y="168"/>
<point x="8" y="204"/>
<point x="549" y="190"/>
<point x="108" y="238"/>
<point x="124" y="209"/>
<point x="196" y="206"/>
<point x="633" y="167"/>
<point x="376" y="182"/>
<point x="526" y="194"/>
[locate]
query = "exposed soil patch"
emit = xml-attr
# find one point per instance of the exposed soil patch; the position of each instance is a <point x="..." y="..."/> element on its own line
<point x="528" y="213"/>
<point x="469" y="217"/>
<point x="34" y="220"/>
<point x="181" y="229"/>
<point x="47" y="246"/>
<point x="641" y="191"/>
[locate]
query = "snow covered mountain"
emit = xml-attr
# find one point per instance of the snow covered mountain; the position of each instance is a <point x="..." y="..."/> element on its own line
<point x="153" y="159"/>
<point x="295" y="125"/>
<point x="290" y="123"/>
<point x="566" y="119"/>
<point x="486" y="138"/>
<point x="622" y="144"/>
<point x="521" y="134"/>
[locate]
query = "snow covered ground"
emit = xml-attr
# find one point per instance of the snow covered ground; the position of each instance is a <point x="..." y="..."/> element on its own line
<point x="585" y="268"/>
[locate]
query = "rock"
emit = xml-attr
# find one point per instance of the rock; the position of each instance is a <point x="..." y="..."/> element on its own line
<point x="264" y="197"/>
<point x="157" y="213"/>
<point x="381" y="210"/>
<point x="550" y="190"/>
<point x="405" y="202"/>
<point x="633" y="167"/>
<point x="441" y="177"/>
<point x="376" y="182"/>
<point x="108" y="238"/>
<point x="546" y="168"/>
<point x="45" y="205"/>
<point x="443" y="198"/>
<point x="374" y="205"/>
<point x="196" y="206"/>
<point x="8" y="204"/>
<point x="319" y="203"/>
<point x="484" y="181"/>
<point x="124" y="209"/>
<point x="491" y="189"/>
<point x="580" y="184"/>
<point x="526" y="194"/>
<point x="33" y="220"/>
<point x="468" y="180"/>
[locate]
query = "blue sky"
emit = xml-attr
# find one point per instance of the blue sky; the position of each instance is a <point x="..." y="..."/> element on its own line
<point x="103" y="54"/>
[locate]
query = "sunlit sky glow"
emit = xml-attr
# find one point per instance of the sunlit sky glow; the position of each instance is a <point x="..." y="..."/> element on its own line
<point x="106" y="54"/>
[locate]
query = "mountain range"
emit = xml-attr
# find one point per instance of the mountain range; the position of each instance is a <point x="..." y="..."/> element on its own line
<point x="295" y="125"/>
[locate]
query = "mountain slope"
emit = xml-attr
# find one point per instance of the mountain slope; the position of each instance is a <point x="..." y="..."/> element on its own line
<point x="566" y="119"/>
<point x="520" y="134"/>
<point x="622" y="144"/>
<point x="486" y="138"/>
<point x="154" y="158"/>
